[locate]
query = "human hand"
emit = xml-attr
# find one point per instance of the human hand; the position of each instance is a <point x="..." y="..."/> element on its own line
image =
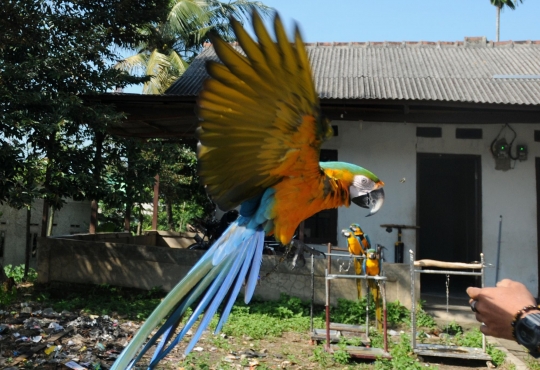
<point x="496" y="307"/>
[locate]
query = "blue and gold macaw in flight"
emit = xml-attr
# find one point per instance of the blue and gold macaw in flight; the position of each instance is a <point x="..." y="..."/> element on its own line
<point x="260" y="136"/>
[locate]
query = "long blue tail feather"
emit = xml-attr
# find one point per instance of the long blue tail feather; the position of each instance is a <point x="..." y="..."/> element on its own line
<point x="205" y="301"/>
<point x="233" y="260"/>
<point x="253" y="278"/>
<point x="237" y="286"/>
<point x="176" y="316"/>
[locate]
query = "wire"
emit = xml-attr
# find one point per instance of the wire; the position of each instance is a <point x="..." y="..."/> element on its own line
<point x="509" y="145"/>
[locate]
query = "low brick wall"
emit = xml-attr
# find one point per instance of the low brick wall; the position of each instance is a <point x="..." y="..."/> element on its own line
<point x="70" y="259"/>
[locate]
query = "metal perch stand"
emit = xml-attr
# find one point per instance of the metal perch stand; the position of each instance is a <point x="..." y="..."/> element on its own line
<point x="354" y="351"/>
<point x="451" y="267"/>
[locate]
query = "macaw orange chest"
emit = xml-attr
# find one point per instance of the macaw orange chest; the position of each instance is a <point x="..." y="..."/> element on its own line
<point x="298" y="198"/>
<point x="372" y="267"/>
<point x="354" y="245"/>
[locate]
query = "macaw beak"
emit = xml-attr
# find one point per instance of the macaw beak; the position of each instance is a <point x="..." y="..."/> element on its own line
<point x="373" y="200"/>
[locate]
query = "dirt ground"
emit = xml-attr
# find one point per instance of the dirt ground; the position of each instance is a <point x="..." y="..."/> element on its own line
<point x="36" y="337"/>
<point x="81" y="347"/>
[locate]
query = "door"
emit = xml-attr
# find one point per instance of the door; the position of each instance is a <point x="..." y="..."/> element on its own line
<point x="537" y="166"/>
<point x="449" y="216"/>
<point x="321" y="228"/>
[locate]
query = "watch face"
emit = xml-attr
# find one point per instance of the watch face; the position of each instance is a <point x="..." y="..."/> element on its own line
<point x="526" y="335"/>
<point x="528" y="331"/>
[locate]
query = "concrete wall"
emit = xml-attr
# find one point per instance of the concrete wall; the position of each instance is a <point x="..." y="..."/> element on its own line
<point x="145" y="267"/>
<point x="390" y="150"/>
<point x="72" y="218"/>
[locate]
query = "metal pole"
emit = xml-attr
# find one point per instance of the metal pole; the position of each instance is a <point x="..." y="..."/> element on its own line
<point x="382" y="285"/>
<point x="327" y="281"/>
<point x="413" y="300"/>
<point x="312" y="293"/>
<point x="482" y="285"/>
<point x="498" y="251"/>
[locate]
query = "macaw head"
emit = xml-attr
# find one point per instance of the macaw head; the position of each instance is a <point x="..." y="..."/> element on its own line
<point x="356" y="229"/>
<point x="345" y="233"/>
<point x="371" y="254"/>
<point x="365" y="188"/>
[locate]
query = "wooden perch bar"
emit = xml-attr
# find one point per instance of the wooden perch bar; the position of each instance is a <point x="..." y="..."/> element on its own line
<point x="448" y="265"/>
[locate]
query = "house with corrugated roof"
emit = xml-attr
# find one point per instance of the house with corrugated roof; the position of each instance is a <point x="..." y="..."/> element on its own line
<point x="452" y="128"/>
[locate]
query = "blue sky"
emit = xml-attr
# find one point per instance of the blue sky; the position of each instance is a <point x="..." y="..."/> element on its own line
<point x="411" y="20"/>
<point x="400" y="20"/>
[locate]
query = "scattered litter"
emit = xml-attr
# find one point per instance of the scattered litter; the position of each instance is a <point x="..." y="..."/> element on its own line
<point x="54" y="326"/>
<point x="75" y="366"/>
<point x="44" y="338"/>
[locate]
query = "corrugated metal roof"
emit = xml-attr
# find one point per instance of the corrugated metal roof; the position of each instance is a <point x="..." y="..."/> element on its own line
<point x="429" y="71"/>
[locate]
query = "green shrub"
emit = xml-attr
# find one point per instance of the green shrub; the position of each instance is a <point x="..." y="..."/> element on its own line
<point x="17" y="273"/>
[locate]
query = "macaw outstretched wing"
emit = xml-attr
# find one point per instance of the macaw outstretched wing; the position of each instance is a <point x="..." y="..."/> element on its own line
<point x="270" y="85"/>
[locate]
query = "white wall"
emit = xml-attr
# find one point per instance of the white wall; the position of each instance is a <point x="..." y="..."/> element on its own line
<point x="389" y="150"/>
<point x="73" y="217"/>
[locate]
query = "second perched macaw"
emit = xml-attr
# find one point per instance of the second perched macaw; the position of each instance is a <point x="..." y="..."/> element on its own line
<point x="373" y="267"/>
<point x="260" y="136"/>
<point x="355" y="248"/>
<point x="363" y="238"/>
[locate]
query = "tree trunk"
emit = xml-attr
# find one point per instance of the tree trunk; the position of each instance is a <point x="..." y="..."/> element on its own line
<point x="156" y="203"/>
<point x="44" y="218"/>
<point x="28" y="251"/>
<point x="93" y="217"/>
<point x="100" y="137"/>
<point x="47" y="183"/>
<point x="51" y="222"/>
<point x="140" y="217"/>
<point x="127" y="216"/>
<point x="170" y="223"/>
<point x="498" y="22"/>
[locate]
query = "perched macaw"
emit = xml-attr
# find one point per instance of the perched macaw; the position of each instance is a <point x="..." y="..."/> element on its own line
<point x="373" y="267"/>
<point x="361" y="236"/>
<point x="355" y="248"/>
<point x="260" y="136"/>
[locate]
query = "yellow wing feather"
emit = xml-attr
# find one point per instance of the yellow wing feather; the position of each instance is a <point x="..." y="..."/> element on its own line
<point x="260" y="120"/>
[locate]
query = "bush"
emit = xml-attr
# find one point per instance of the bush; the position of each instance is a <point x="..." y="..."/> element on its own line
<point x="17" y="273"/>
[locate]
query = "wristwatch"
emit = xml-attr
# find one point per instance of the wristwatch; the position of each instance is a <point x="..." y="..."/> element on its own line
<point x="528" y="333"/>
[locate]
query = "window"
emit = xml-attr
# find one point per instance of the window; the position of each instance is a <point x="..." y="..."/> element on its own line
<point x="429" y="132"/>
<point x="321" y="228"/>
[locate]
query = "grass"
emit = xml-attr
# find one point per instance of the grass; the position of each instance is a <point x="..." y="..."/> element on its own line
<point x="260" y="321"/>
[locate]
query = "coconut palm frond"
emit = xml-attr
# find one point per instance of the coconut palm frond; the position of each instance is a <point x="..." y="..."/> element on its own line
<point x="165" y="69"/>
<point x="186" y="15"/>
<point x="506" y="3"/>
<point x="241" y="9"/>
<point x="135" y="64"/>
<point x="178" y="63"/>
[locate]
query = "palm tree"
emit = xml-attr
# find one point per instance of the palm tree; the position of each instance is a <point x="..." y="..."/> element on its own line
<point x="174" y="43"/>
<point x="499" y="4"/>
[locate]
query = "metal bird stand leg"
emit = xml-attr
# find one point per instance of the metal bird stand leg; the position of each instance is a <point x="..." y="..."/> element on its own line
<point x="334" y="330"/>
<point x="452" y="269"/>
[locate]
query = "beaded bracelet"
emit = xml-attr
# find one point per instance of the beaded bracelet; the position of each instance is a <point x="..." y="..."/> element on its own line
<point x="520" y="313"/>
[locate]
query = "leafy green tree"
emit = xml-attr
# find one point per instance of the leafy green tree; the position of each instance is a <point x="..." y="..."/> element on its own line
<point x="173" y="43"/>
<point x="183" y="196"/>
<point x="129" y="177"/>
<point x="500" y="4"/>
<point x="52" y="53"/>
